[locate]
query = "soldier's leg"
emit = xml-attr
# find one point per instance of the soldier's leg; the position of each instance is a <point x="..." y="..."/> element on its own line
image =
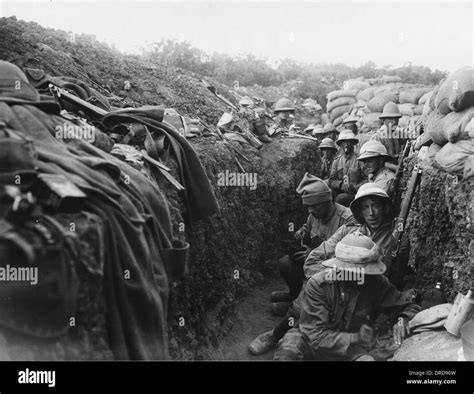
<point x="293" y="347"/>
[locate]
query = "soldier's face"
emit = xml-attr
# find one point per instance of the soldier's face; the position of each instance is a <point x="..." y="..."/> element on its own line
<point x="372" y="211"/>
<point x="320" y="211"/>
<point x="283" y="115"/>
<point x="327" y="153"/>
<point x="347" y="146"/>
<point x="373" y="164"/>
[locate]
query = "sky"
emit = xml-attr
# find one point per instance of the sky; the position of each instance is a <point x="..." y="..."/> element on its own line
<point x="434" y="34"/>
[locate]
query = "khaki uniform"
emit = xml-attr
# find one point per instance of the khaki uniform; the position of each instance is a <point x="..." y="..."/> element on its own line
<point x="392" y="142"/>
<point x="331" y="310"/>
<point x="326" y="167"/>
<point x="382" y="237"/>
<point x="347" y="169"/>
<point x="383" y="178"/>
<point x="319" y="230"/>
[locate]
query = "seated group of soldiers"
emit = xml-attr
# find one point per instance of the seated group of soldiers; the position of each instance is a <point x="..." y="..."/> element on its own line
<point x="345" y="297"/>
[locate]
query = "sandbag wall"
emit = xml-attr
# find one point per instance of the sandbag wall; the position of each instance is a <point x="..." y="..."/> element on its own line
<point x="444" y="203"/>
<point x="365" y="99"/>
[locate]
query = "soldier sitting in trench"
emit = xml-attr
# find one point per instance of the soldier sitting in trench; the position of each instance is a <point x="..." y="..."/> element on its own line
<point x="374" y="211"/>
<point x="325" y="217"/>
<point x="340" y="305"/>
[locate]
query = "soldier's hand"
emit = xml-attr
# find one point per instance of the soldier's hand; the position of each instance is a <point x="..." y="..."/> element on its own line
<point x="299" y="235"/>
<point x="366" y="334"/>
<point x="400" y="330"/>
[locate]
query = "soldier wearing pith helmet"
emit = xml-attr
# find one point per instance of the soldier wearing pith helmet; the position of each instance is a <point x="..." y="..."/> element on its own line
<point x="389" y="133"/>
<point x="347" y="173"/>
<point x="374" y="155"/>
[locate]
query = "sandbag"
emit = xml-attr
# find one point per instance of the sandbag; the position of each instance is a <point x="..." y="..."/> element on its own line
<point x="456" y="93"/>
<point x="366" y="94"/>
<point x="406" y="109"/>
<point x="451" y="127"/>
<point x="338" y="121"/>
<point x="423" y="99"/>
<point x="385" y="88"/>
<point x="341" y="93"/>
<point x="418" y="109"/>
<point x="372" y="120"/>
<point x="433" y="98"/>
<point x="340" y="101"/>
<point x="426" y="108"/>
<point x="377" y="103"/>
<point x="355" y="84"/>
<point x="338" y="111"/>
<point x="453" y="156"/>
<point x="412" y="95"/>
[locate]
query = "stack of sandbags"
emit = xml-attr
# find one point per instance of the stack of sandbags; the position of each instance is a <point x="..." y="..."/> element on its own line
<point x="366" y="94"/>
<point x="448" y="118"/>
<point x="340" y="102"/>
<point x="377" y="102"/>
<point x="456" y="93"/>
<point x="452" y="127"/>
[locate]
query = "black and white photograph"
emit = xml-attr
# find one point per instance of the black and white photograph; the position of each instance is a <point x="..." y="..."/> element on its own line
<point x="189" y="189"/>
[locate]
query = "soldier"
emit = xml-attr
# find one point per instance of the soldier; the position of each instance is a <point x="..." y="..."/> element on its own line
<point x="347" y="173"/>
<point x="388" y="134"/>
<point x="324" y="218"/>
<point x="350" y="123"/>
<point x="256" y="123"/>
<point x="340" y="305"/>
<point x="284" y="110"/>
<point x="374" y="155"/>
<point x="319" y="133"/>
<point x="328" y="150"/>
<point x="374" y="211"/>
<point x="330" y="131"/>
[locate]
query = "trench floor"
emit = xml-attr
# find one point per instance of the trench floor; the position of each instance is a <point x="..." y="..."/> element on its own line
<point x="253" y="317"/>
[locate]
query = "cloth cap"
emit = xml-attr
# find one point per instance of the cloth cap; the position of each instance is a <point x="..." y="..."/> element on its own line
<point x="313" y="190"/>
<point x="350" y="119"/>
<point x="357" y="252"/>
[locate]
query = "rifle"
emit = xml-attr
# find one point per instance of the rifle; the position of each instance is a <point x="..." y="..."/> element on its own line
<point x="232" y="149"/>
<point x="400" y="221"/>
<point x="95" y="112"/>
<point x="393" y="191"/>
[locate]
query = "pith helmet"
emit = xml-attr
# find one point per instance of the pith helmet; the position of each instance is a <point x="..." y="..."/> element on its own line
<point x="284" y="104"/>
<point x="390" y="110"/>
<point x="373" y="190"/>
<point x="357" y="253"/>
<point x="329" y="128"/>
<point x="372" y="148"/>
<point x="328" y="143"/>
<point x="246" y="101"/>
<point x="350" y="119"/>
<point x="15" y="89"/>
<point x="347" y="135"/>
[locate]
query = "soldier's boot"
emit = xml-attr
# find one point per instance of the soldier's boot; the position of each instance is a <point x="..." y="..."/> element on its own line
<point x="263" y="343"/>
